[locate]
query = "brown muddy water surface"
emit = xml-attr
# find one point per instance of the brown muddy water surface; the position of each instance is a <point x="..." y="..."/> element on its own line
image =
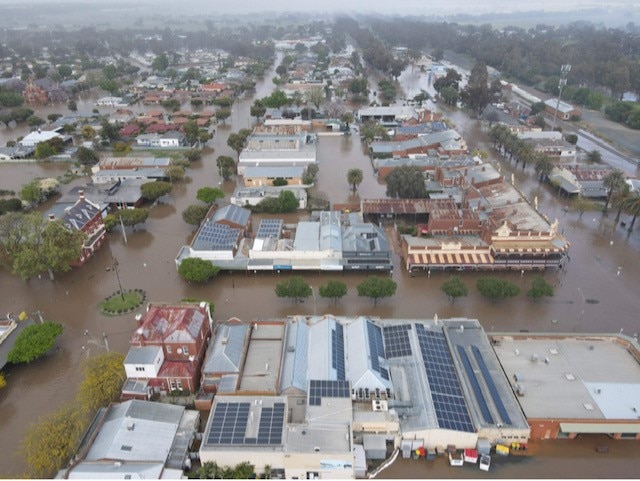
<point x="598" y="292"/>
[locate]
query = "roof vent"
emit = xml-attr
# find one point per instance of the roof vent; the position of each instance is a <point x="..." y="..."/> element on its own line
<point x="570" y="377"/>
<point x="534" y="358"/>
<point x="130" y="426"/>
<point x="588" y="406"/>
<point x="591" y="348"/>
<point x="224" y="340"/>
<point x="316" y="449"/>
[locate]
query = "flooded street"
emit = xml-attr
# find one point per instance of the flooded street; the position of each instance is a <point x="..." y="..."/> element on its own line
<point x="592" y="295"/>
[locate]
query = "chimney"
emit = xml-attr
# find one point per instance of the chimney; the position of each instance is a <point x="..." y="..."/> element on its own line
<point x="81" y="194"/>
<point x="52" y="217"/>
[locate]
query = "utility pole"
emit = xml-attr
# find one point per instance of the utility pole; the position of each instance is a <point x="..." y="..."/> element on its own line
<point x="564" y="71"/>
<point x="106" y="342"/>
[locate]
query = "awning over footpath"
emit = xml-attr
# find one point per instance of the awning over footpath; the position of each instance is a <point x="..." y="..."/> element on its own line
<point x="450" y="259"/>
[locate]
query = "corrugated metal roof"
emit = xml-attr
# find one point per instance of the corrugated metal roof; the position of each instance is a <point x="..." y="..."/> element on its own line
<point x="142" y="355"/>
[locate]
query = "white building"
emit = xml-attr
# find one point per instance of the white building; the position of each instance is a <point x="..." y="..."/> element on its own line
<point x="34" y="138"/>
<point x="111" y="102"/>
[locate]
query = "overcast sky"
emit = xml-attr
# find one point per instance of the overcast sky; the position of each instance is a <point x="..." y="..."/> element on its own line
<point x="401" y="7"/>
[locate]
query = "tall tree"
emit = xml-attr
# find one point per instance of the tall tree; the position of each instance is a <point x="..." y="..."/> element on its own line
<point x="377" y="288"/>
<point x="613" y="181"/>
<point x="195" y="214"/>
<point x="539" y="289"/>
<point x="226" y="166"/>
<point x="209" y="195"/>
<point x="154" y="190"/>
<point x="316" y="96"/>
<point x="476" y="94"/>
<point x="194" y="269"/>
<point x="236" y="142"/>
<point x="354" y="178"/>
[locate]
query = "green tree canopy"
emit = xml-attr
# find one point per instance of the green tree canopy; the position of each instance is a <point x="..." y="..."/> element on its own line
<point x="354" y="178"/>
<point x="454" y="288"/>
<point x="377" y="288"/>
<point x="197" y="270"/>
<point x="102" y="382"/>
<point x="539" y="289"/>
<point x="191" y="131"/>
<point x="209" y="195"/>
<point x="295" y="288"/>
<point x="34" y="342"/>
<point x="226" y="166"/>
<point x="175" y="173"/>
<point x="476" y="94"/>
<point x="494" y="288"/>
<point x="195" y="214"/>
<point x="257" y="110"/>
<point x="223" y="114"/>
<point x="334" y="290"/>
<point x="236" y="142"/>
<point x="406" y="182"/>
<point x="154" y="190"/>
<point x="160" y="63"/>
<point x="87" y="156"/>
<point x="133" y="217"/>
<point x="192" y="155"/>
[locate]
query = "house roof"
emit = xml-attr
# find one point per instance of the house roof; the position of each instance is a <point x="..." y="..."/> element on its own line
<point x="170" y="323"/>
<point x="80" y="214"/>
<point x="177" y="369"/>
<point x="233" y="214"/>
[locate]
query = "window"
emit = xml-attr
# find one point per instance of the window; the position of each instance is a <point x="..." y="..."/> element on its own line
<point x="185" y="350"/>
<point x="168" y="349"/>
<point x="140" y="368"/>
<point x="179" y="384"/>
<point x="172" y="385"/>
<point x="124" y="447"/>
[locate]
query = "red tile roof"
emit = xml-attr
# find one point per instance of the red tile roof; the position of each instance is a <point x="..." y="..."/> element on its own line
<point x="177" y="369"/>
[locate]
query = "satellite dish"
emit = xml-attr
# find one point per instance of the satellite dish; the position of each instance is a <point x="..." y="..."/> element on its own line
<point x="179" y="351"/>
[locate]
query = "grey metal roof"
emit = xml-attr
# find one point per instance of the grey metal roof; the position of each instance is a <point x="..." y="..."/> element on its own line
<point x="232" y="213"/>
<point x="225" y="351"/>
<point x="142" y="355"/>
<point x="295" y="358"/>
<point x="307" y="236"/>
<point x="136" y="431"/>
<point x="112" y="470"/>
<point x="364" y="238"/>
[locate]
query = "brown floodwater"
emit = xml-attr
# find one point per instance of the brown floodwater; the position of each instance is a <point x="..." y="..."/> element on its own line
<point x="592" y="295"/>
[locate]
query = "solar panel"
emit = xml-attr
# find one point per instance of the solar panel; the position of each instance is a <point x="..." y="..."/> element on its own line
<point x="337" y="351"/>
<point x="396" y="341"/>
<point x="448" y="400"/>
<point x="269" y="228"/>
<point x="320" y="389"/>
<point x="229" y="424"/>
<point x="376" y="348"/>
<point x="492" y="386"/>
<point x="482" y="402"/>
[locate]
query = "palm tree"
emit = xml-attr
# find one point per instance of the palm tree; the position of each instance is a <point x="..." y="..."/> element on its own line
<point x="632" y="207"/>
<point x="544" y="165"/>
<point x="620" y="198"/>
<point x="613" y="181"/>
<point x="354" y="178"/>
<point x="526" y="154"/>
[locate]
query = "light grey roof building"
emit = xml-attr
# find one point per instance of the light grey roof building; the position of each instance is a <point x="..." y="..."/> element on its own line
<point x="135" y="440"/>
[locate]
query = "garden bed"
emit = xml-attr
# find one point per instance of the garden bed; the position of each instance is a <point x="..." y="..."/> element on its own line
<point x="115" y="305"/>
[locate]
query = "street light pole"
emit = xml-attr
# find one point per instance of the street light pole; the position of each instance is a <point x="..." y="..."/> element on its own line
<point x="564" y="71"/>
<point x="115" y="268"/>
<point x="313" y="292"/>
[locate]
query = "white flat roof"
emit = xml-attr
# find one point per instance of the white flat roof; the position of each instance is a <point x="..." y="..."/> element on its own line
<point x="591" y="378"/>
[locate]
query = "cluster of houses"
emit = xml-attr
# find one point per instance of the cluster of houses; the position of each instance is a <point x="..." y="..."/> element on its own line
<point x="321" y="396"/>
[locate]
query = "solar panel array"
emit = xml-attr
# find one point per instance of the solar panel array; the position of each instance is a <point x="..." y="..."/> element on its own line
<point x="482" y="402"/>
<point x="492" y="386"/>
<point x="213" y="236"/>
<point x="337" y="351"/>
<point x="396" y="341"/>
<point x="269" y="228"/>
<point x="376" y="349"/>
<point x="229" y="424"/>
<point x="320" y="389"/>
<point x="448" y="400"/>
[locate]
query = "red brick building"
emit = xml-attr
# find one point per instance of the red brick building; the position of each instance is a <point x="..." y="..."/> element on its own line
<point x="167" y="350"/>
